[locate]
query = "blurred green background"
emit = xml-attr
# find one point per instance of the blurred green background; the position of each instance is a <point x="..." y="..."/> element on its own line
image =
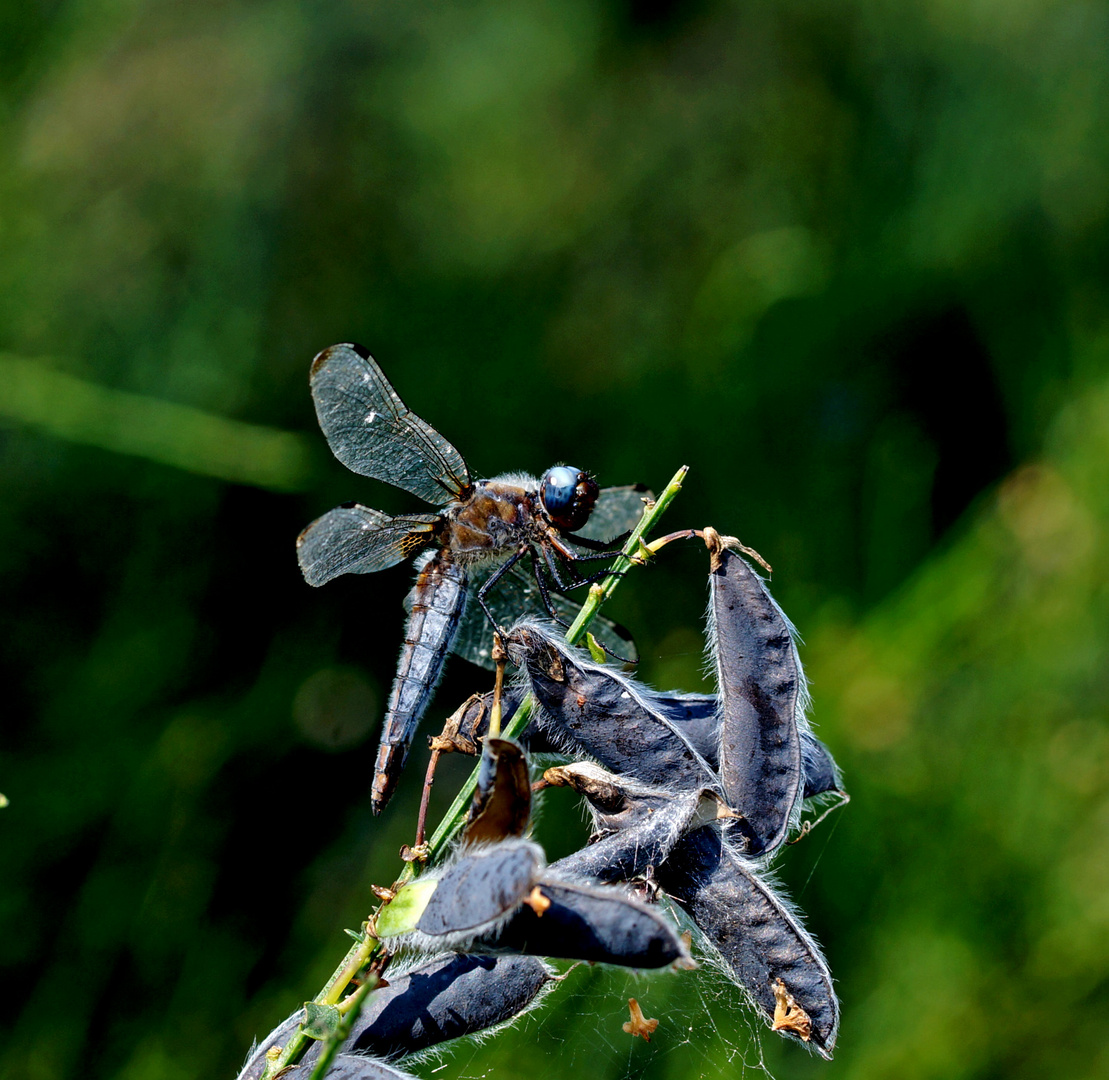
<point x="848" y="260"/>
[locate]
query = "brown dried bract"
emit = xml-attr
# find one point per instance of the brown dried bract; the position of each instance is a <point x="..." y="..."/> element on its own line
<point x="639" y="1024"/>
<point x="467" y="718"/>
<point x="717" y="543"/>
<point x="788" y="1015"/>
<point x="504" y="809"/>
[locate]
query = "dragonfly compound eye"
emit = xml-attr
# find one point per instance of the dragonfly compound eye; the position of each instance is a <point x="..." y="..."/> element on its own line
<point x="568" y="495"/>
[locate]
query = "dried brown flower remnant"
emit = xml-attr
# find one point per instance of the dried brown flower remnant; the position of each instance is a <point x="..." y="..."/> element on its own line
<point x="788" y="1015"/>
<point x="537" y="901"/>
<point x="639" y="1024"/>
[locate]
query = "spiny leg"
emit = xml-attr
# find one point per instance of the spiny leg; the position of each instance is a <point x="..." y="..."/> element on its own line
<point x="537" y="573"/>
<point x="494" y="577"/>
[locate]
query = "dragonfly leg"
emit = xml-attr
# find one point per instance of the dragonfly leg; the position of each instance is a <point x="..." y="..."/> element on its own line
<point x="494" y="577"/>
<point x="537" y="573"/>
<point x="588" y="579"/>
<point x="550" y="607"/>
<point x="604" y="548"/>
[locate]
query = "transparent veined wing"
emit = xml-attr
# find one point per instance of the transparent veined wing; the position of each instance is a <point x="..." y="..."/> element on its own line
<point x="513" y="596"/>
<point x="372" y="432"/>
<point x="618" y="511"/>
<point x="354" y="539"/>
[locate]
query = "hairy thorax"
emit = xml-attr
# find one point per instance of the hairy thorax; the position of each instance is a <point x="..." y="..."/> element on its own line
<point x="498" y="517"/>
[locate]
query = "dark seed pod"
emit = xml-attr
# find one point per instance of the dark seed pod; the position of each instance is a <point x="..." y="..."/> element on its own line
<point x="588" y="708"/>
<point x="642" y="823"/>
<point x="445" y="998"/>
<point x="576" y="922"/>
<point x="760" y="685"/>
<point x="482" y="887"/>
<point x="821" y="771"/>
<point x="756" y="934"/>
<point x="695" y="716"/>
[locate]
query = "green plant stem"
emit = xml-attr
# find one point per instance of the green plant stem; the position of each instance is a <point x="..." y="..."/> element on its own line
<point x="356" y="959"/>
<point x="335" y="1039"/>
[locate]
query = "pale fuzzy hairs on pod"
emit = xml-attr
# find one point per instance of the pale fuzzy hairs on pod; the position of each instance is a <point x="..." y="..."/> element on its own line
<point x="479" y="888"/>
<point x="638" y="825"/>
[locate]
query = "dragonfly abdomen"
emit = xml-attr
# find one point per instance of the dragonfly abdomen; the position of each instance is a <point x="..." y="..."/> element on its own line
<point x="438" y="599"/>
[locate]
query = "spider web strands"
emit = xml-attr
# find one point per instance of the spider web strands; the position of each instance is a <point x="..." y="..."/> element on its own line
<point x="598" y="594"/>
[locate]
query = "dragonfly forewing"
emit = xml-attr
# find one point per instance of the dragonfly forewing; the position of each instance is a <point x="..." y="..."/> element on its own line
<point x="372" y="432"/>
<point x="357" y="540"/>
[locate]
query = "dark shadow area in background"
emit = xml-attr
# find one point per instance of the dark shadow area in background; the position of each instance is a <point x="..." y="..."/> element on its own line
<point x="942" y="375"/>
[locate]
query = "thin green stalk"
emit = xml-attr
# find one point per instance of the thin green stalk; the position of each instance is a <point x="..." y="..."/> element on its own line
<point x="336" y="1038"/>
<point x="356" y="959"/>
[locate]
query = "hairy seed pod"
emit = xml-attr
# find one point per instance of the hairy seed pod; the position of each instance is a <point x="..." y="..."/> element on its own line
<point x="821" y="772"/>
<point x="759" y="938"/>
<point x="760" y="685"/>
<point x="448" y="997"/>
<point x="696" y="716"/>
<point x="639" y="825"/>
<point x="481" y="887"/>
<point x="577" y="922"/>
<point x="592" y="709"/>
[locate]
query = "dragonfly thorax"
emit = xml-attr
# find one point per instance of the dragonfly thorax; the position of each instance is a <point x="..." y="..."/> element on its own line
<point x="497" y="518"/>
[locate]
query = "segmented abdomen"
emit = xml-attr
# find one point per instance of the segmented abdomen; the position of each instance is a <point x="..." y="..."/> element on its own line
<point x="439" y="596"/>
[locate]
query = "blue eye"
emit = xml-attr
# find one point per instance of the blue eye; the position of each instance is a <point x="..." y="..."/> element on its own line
<point x="558" y="487"/>
<point x="568" y="495"/>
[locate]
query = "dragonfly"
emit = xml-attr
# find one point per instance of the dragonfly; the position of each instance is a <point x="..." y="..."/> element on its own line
<point x="499" y="542"/>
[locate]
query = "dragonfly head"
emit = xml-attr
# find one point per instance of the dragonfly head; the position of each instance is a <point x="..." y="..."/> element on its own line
<point x="568" y="495"/>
